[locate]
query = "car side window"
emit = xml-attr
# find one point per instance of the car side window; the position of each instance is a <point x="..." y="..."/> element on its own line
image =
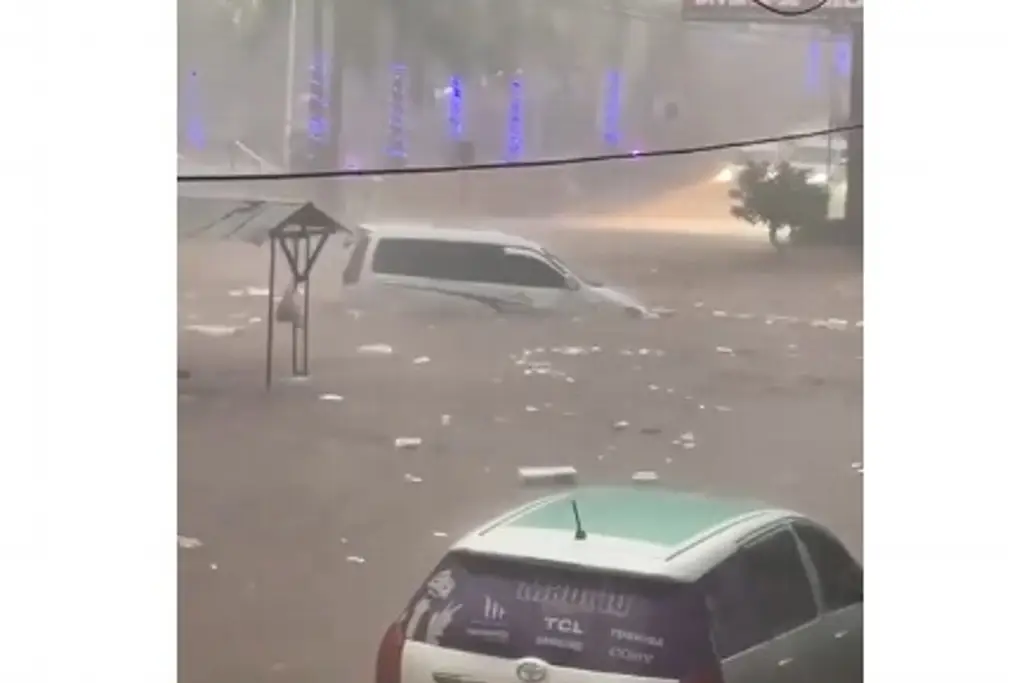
<point x="436" y="259"/>
<point x="840" y="576"/>
<point x="526" y="271"/>
<point x="759" y="593"/>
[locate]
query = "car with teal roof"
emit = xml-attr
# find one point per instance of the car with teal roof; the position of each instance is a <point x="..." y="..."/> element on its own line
<point x="603" y="584"/>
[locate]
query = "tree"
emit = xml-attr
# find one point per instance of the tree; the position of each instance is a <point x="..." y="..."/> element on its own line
<point x="779" y="197"/>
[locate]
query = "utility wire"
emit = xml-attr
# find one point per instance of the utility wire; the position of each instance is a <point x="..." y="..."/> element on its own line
<point x="491" y="166"/>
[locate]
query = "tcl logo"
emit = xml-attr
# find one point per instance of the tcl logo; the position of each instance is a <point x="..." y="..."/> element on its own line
<point x="570" y="626"/>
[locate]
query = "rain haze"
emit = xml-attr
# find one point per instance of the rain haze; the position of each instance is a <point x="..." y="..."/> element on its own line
<point x="310" y="512"/>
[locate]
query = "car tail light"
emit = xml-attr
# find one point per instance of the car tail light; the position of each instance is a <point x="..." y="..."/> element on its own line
<point x="389" y="655"/>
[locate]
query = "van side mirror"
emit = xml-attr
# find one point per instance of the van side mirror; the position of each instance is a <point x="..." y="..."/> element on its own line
<point x="571" y="283"/>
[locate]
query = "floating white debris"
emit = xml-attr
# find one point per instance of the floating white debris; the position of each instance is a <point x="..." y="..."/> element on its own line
<point x="343" y="540"/>
<point x="670" y="390"/>
<point x="214" y="330"/>
<point x="421" y="360"/>
<point x="687" y="436"/>
<point x="620" y="425"/>
<point x="255" y="319"/>
<point x="668" y="461"/>
<point x="660" y="312"/>
<point x="413" y="479"/>
<point x="570" y="380"/>
<point x="723" y="409"/>
<point x="532" y="409"/>
<point x="600" y="456"/>
<point x="595" y="349"/>
<point x="550" y="475"/>
<point x="236" y="292"/>
<point x="689" y="445"/>
<point x="857" y="465"/>
<point x="440" y="534"/>
<point x="653" y="387"/>
<point x="446" y="420"/>
<point x="376" y="349"/>
<point x="570" y="350"/>
<point x="626" y="352"/>
<point x="213" y="566"/>
<point x="297" y="379"/>
<point x="701" y="406"/>
<point x="725" y="350"/>
<point x="408" y="442"/>
<point x="698" y="304"/>
<point x="189" y="543"/>
<point x="831" y="324"/>
<point x="355" y="559"/>
<point x="643" y="352"/>
<point x="860" y="323"/>
<point x="677" y="442"/>
<point x="720" y="314"/>
<point x="645" y="477"/>
<point x="257" y="291"/>
<point x="332" y="397"/>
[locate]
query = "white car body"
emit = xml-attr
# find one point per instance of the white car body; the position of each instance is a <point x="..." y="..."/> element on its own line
<point x="425" y="268"/>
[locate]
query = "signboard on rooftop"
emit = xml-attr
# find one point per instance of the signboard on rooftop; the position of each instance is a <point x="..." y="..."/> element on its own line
<point x="774" y="11"/>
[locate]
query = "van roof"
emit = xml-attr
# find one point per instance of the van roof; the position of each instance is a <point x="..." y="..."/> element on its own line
<point x="426" y="231"/>
<point x="659" y="532"/>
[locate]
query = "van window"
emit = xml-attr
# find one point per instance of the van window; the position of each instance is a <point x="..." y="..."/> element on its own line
<point x="524" y="271"/>
<point x="437" y="259"/>
<point x="566" y="616"/>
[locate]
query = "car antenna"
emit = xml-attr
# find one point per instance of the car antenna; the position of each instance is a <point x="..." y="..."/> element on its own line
<point x="581" y="535"/>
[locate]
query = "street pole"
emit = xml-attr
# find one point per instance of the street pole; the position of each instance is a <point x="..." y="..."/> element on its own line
<point x="289" y="86"/>
<point x="855" y="144"/>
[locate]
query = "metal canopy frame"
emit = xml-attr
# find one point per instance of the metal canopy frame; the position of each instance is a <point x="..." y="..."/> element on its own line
<point x="298" y="229"/>
<point x="301" y="237"/>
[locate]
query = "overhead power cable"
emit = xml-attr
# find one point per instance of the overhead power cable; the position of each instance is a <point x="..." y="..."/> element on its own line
<point x="494" y="166"/>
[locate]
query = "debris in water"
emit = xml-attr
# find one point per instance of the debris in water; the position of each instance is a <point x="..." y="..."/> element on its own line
<point x="413" y="479"/>
<point x="644" y="352"/>
<point x="831" y="324"/>
<point x="214" y="330"/>
<point x="668" y="461"/>
<point x="376" y="349"/>
<point x="723" y="409"/>
<point x="569" y="350"/>
<point x="213" y="566"/>
<point x="687" y="436"/>
<point x="440" y="534"/>
<point x="720" y="314"/>
<point x="408" y="442"/>
<point x="653" y="387"/>
<point x="255" y="319"/>
<point x="332" y="397"/>
<point x="532" y="409"/>
<point x="620" y="425"/>
<point x="189" y="543"/>
<point x="547" y="475"/>
<point x="446" y="420"/>
<point x="689" y="445"/>
<point x="645" y="477"/>
<point x="421" y="360"/>
<point x="725" y="350"/>
<point x="355" y="559"/>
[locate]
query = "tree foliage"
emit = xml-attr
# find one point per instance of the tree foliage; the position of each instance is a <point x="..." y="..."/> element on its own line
<point x="779" y="196"/>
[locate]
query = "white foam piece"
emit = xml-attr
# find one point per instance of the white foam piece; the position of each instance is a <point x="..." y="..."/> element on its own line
<point x="376" y="349"/>
<point x="332" y="397"/>
<point x="189" y="543"/>
<point x="560" y="474"/>
<point x="408" y="442"/>
<point x="645" y="477"/>
<point x="214" y="330"/>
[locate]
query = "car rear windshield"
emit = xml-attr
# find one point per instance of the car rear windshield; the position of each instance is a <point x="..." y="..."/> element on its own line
<point x="566" y="616"/>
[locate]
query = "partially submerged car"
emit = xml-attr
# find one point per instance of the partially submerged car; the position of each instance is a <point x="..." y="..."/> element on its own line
<point x="425" y="267"/>
<point x="624" y="584"/>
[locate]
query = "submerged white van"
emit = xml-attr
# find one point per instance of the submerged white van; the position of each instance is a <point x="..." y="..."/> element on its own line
<point x="424" y="268"/>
